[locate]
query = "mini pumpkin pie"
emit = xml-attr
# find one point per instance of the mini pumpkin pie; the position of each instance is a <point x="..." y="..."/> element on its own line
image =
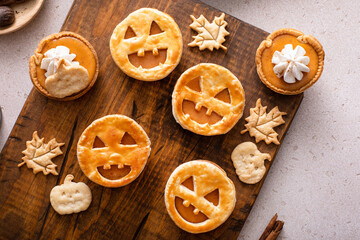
<point x="113" y="150"/>
<point x="147" y="45"/>
<point x="289" y="62"/>
<point x="64" y="67"/>
<point x="199" y="196"/>
<point x="208" y="99"/>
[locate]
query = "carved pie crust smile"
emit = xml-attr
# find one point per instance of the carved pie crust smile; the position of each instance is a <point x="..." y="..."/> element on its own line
<point x="85" y="55"/>
<point x="144" y="54"/>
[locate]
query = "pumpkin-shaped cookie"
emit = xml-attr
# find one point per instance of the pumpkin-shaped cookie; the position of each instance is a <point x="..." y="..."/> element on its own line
<point x="147" y="45"/>
<point x="199" y="196"/>
<point x="249" y="162"/>
<point x="289" y="62"/>
<point x="208" y="99"/>
<point x="70" y="197"/>
<point x="113" y="150"/>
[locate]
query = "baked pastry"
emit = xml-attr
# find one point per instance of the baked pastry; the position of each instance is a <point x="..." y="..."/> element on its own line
<point x="249" y="162"/>
<point x="210" y="35"/>
<point x="113" y="150"/>
<point x="261" y="124"/>
<point x="199" y="196"/>
<point x="70" y="197"/>
<point x="208" y="99"/>
<point x="147" y="45"/>
<point x="38" y="155"/>
<point x="289" y="62"/>
<point x="70" y="63"/>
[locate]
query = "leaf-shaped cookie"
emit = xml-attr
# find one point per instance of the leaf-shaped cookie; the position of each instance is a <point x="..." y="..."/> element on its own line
<point x="261" y="124"/>
<point x="211" y="35"/>
<point x="38" y="155"/>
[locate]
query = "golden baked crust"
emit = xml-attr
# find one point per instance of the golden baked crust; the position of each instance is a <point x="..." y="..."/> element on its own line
<point x="301" y="38"/>
<point x="111" y="129"/>
<point x="35" y="61"/>
<point x="140" y="22"/>
<point x="249" y="162"/>
<point x="213" y="79"/>
<point x="207" y="177"/>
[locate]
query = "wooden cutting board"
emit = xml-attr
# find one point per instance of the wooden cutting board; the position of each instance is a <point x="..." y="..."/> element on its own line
<point x="136" y="211"/>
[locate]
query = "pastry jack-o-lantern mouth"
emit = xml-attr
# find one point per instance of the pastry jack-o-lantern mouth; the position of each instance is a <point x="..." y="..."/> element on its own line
<point x="114" y="172"/>
<point x="147" y="45"/>
<point x="147" y="59"/>
<point x="113" y="151"/>
<point x="199" y="196"/>
<point x="208" y="99"/>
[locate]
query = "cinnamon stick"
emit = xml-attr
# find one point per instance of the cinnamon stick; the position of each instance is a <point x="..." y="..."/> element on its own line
<point x="273" y="229"/>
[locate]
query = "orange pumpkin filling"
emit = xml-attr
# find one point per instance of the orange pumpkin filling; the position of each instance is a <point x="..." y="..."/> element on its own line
<point x="149" y="60"/>
<point x="83" y="55"/>
<point x="188" y="107"/>
<point x="278" y="44"/>
<point x="188" y="212"/>
<point x="114" y="172"/>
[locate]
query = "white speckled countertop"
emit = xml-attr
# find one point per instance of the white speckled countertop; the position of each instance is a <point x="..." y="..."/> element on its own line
<point x="314" y="183"/>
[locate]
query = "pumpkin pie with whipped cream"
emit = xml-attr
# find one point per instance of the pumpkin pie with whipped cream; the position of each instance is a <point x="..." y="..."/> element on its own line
<point x="289" y="62"/>
<point x="64" y="67"/>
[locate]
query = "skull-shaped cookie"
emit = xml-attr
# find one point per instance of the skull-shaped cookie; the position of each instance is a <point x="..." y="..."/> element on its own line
<point x="70" y="197"/>
<point x="120" y="156"/>
<point x="249" y="162"/>
<point x="208" y="99"/>
<point x="147" y="45"/>
<point x="203" y="204"/>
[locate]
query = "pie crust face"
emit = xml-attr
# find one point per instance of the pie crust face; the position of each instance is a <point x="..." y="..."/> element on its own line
<point x="142" y="44"/>
<point x="210" y="114"/>
<point x="105" y="165"/>
<point x="276" y="41"/>
<point x="85" y="55"/>
<point x="207" y="177"/>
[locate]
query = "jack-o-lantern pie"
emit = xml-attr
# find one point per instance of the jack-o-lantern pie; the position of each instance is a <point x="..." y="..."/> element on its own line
<point x="113" y="150"/>
<point x="199" y="196"/>
<point x="208" y="99"/>
<point x="147" y="45"/>
<point x="289" y="62"/>
<point x="65" y="66"/>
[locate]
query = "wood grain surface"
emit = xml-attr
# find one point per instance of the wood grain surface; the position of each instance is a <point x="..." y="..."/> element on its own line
<point x="136" y="211"/>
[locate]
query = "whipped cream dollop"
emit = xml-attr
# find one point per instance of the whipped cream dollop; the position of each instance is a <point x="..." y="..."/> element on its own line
<point x="52" y="59"/>
<point x="290" y="63"/>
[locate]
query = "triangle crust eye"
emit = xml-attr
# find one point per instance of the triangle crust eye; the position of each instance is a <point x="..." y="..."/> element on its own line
<point x="127" y="139"/>
<point x="194" y="84"/>
<point x="98" y="143"/>
<point x="224" y="96"/>
<point x="189" y="183"/>
<point x="129" y="33"/>
<point x="213" y="197"/>
<point x="155" y="29"/>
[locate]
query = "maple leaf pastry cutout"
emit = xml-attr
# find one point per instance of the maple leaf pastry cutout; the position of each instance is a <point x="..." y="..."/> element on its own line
<point x="210" y="35"/>
<point x="261" y="124"/>
<point x="38" y="155"/>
